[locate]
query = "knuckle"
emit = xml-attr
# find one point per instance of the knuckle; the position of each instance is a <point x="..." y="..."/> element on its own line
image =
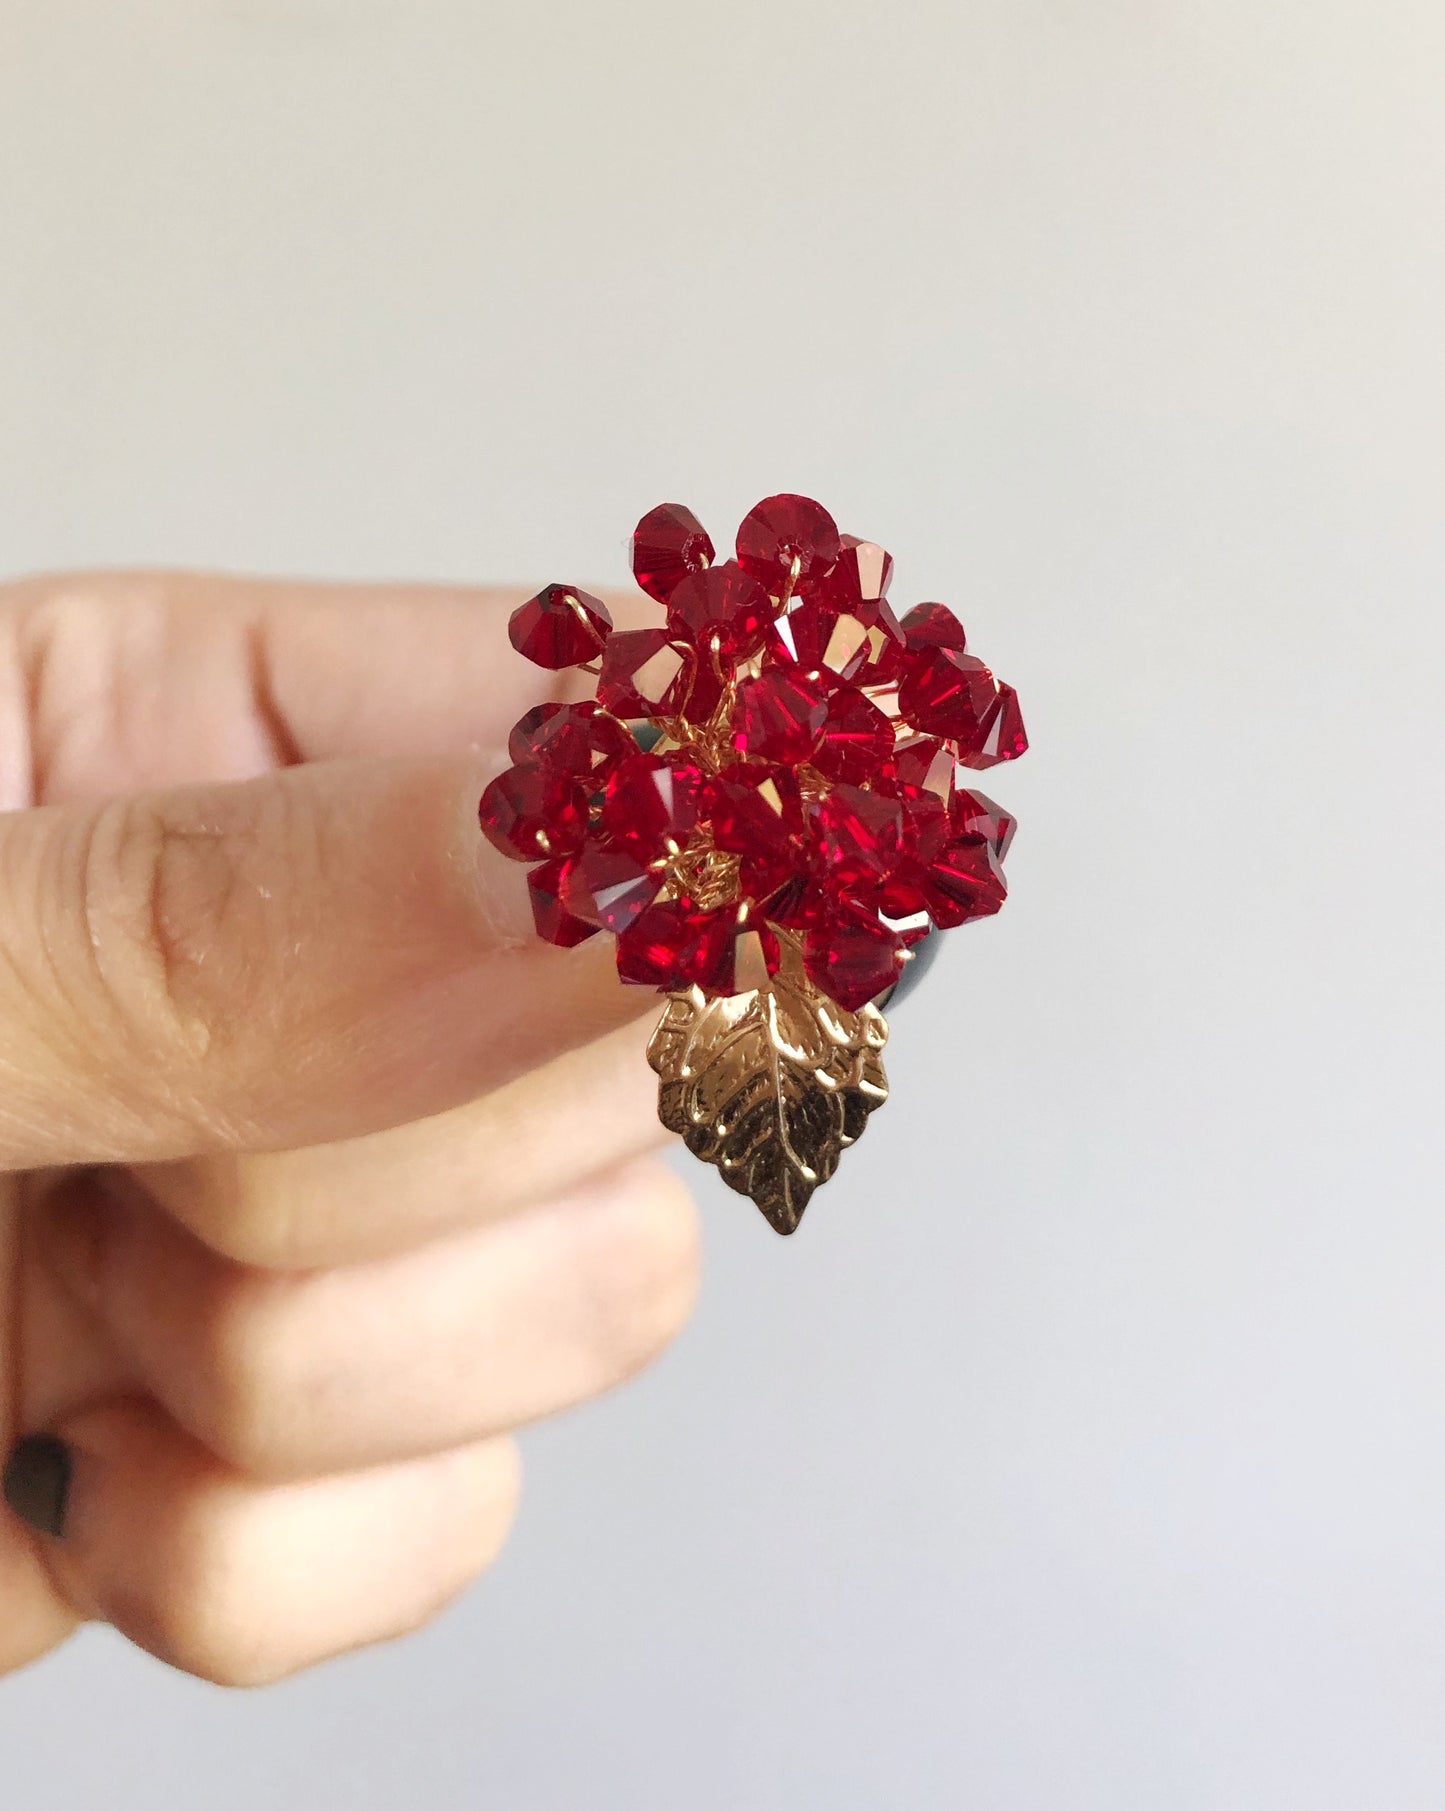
<point x="182" y="926"/>
<point x="247" y="1218"/>
<point x="249" y="1384"/>
<point x="130" y="876"/>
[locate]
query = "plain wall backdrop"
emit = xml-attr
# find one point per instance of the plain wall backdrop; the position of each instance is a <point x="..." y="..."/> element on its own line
<point x="1086" y="1449"/>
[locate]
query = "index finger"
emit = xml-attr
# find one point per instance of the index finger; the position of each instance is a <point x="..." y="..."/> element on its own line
<point x="214" y="677"/>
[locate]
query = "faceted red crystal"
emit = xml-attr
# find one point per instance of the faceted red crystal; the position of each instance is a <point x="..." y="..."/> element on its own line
<point x="753" y="804"/>
<point x="798" y="904"/>
<point x="853" y="957"/>
<point x="721" y="607"/>
<point x="572" y="738"/>
<point x="545" y="886"/>
<point x="934" y="626"/>
<point x="883" y="658"/>
<point x="801" y="636"/>
<point x="640" y="674"/>
<point x="926" y="827"/>
<point x="963" y="882"/>
<point x="673" y="945"/>
<point x="945" y="693"/>
<point x="860" y="575"/>
<point x="608" y="887"/>
<point x="1000" y="735"/>
<point x="560" y="627"/>
<point x="667" y="544"/>
<point x="858" y="835"/>
<point x="651" y="802"/>
<point x="778" y="716"/>
<point x="901" y="896"/>
<point x="530" y="812"/>
<point x="974" y="814"/>
<point x="756" y="812"/>
<point x="784" y="530"/>
<point x="859" y="647"/>
<point x="921" y="763"/>
<point x="857" y="738"/>
<point x="519" y="742"/>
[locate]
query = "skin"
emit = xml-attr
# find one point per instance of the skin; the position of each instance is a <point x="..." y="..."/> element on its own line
<point x="321" y="1172"/>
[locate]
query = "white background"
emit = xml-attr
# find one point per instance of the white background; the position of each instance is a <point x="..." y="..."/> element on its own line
<point x="1086" y="1449"/>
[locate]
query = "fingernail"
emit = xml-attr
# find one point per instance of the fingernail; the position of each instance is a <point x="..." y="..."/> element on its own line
<point x="37" y="1482"/>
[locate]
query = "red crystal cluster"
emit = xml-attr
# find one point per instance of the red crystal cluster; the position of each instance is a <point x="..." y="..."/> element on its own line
<point x="781" y="754"/>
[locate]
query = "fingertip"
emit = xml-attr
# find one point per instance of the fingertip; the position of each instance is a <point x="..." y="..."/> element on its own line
<point x="240" y="1582"/>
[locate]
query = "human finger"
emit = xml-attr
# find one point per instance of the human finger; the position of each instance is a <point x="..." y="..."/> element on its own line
<point x="242" y="1583"/>
<point x="534" y="1138"/>
<point x="291" y="960"/>
<point x="140" y="680"/>
<point x="299" y="1374"/>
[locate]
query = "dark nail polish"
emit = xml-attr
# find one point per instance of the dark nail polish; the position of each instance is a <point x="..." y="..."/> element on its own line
<point x="37" y="1482"/>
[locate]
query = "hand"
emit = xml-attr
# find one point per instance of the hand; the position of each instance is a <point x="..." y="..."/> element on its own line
<point x="321" y="1171"/>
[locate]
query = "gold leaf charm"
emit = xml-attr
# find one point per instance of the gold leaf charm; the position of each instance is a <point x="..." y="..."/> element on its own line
<point x="771" y="1085"/>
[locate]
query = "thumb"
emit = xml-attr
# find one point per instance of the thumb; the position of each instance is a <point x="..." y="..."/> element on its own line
<point x="311" y="955"/>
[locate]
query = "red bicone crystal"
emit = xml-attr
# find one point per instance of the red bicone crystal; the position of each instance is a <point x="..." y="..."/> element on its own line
<point x="1001" y="735"/>
<point x="578" y="739"/>
<point x="925" y="834"/>
<point x="857" y="738"/>
<point x="799" y="903"/>
<point x="651" y="803"/>
<point x="667" y="544"/>
<point x="721" y="608"/>
<point x="945" y="693"/>
<point x="860" y="575"/>
<point x="530" y="812"/>
<point x="640" y="673"/>
<point x="921" y="763"/>
<point x="901" y="897"/>
<point x="784" y="531"/>
<point x="560" y="627"/>
<point x="858" y="835"/>
<point x="853" y="957"/>
<point x="674" y="945"/>
<point x="974" y="814"/>
<point x="801" y="637"/>
<point x="649" y="673"/>
<point x="756" y="812"/>
<point x="861" y="646"/>
<point x="778" y="716"/>
<point x="608" y="887"/>
<point x="964" y="881"/>
<point x="546" y="886"/>
<point x="520" y="741"/>
<point x="926" y="826"/>
<point x="883" y="657"/>
<point x="934" y="626"/>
